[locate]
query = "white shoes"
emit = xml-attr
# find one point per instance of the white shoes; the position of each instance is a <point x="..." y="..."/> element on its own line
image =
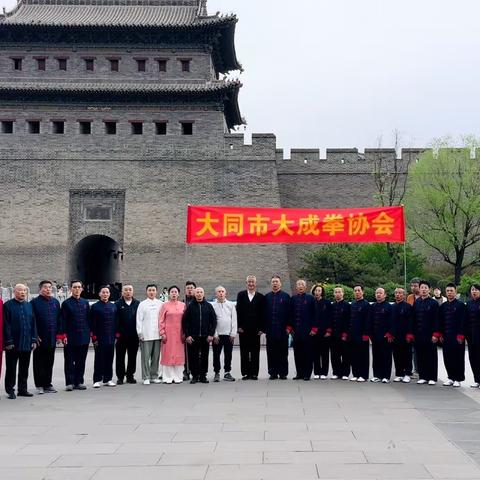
<point x="406" y="379"/>
<point x="457" y="384"/>
<point x="432" y="382"/>
<point x="40" y="391"/>
<point x="385" y="380"/>
<point x="344" y="377"/>
<point x="353" y="379"/>
<point x="421" y="382"/>
<point x="316" y="377"/>
<point x="97" y="385"/>
<point x="156" y="380"/>
<point x="475" y="385"/>
<point x="146" y="382"/>
<point x="397" y="379"/>
<point x="111" y="383"/>
<point x="448" y="383"/>
<point x="334" y="377"/>
<point x="360" y="379"/>
<point x="323" y="377"/>
<point x="375" y="379"/>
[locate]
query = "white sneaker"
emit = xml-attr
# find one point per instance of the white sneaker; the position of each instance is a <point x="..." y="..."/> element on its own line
<point x="323" y="377"/>
<point x="448" y="383"/>
<point x="375" y="379"/>
<point x="397" y="379"/>
<point x="344" y="377"/>
<point x="432" y="382"/>
<point x="421" y="382"/>
<point x="360" y="379"/>
<point x="316" y="377"/>
<point x="111" y="383"/>
<point x="40" y="391"/>
<point x="156" y="380"/>
<point x="475" y="385"/>
<point x="385" y="380"/>
<point x="457" y="384"/>
<point x="146" y="382"/>
<point x="353" y="379"/>
<point x="334" y="377"/>
<point x="97" y="385"/>
<point x="406" y="379"/>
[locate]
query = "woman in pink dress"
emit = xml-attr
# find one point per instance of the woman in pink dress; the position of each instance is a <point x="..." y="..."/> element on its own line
<point x="170" y="326"/>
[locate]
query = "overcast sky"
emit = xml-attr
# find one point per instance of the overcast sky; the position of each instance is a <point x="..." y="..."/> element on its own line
<point x="342" y="73"/>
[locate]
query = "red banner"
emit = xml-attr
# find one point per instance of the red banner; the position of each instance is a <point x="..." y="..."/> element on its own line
<point x="291" y="225"/>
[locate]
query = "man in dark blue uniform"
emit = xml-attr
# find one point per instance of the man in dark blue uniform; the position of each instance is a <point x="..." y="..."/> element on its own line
<point x="472" y="333"/>
<point x="340" y="350"/>
<point x="402" y="337"/>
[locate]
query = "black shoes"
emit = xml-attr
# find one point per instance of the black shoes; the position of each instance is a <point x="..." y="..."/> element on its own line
<point x="203" y="380"/>
<point x="186" y="376"/>
<point x="119" y="382"/>
<point x="273" y="377"/>
<point x="194" y="380"/>
<point x="131" y="380"/>
<point x="49" y="390"/>
<point x="254" y="377"/>
<point x="11" y="396"/>
<point x="283" y="377"/>
<point x="80" y="387"/>
<point x="307" y="379"/>
<point x="26" y="393"/>
<point x="297" y="377"/>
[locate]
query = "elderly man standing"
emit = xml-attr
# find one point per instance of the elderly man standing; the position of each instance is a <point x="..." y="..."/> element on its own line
<point x="20" y="338"/>
<point x="250" y="314"/>
<point x="225" y="334"/>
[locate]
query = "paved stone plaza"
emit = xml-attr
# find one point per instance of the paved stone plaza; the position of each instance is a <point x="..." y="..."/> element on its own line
<point x="242" y="430"/>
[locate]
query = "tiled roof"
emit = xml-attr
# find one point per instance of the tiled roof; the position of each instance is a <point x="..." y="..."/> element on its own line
<point x="85" y="13"/>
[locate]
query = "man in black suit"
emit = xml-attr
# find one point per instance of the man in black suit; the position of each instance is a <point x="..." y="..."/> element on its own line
<point x="250" y="313"/>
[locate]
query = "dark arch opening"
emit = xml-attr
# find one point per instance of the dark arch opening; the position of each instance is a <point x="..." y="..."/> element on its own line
<point x="95" y="261"/>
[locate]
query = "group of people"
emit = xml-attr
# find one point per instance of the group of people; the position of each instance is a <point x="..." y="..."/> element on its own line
<point x="174" y="336"/>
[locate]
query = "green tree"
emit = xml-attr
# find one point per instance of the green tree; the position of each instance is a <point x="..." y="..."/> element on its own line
<point x="443" y="204"/>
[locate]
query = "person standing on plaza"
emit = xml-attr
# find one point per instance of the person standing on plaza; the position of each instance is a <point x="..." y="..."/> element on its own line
<point x="199" y="324"/>
<point x="276" y="319"/>
<point x="425" y="331"/>
<point x="19" y="338"/>
<point x="250" y="313"/>
<point x="402" y="337"/>
<point x="189" y="298"/>
<point x="380" y="331"/>
<point x="1" y="334"/>
<point x="104" y="334"/>
<point x="47" y="315"/>
<point x="75" y="330"/>
<point x="171" y="333"/>
<point x="339" y="346"/>
<point x="225" y="334"/>
<point x="149" y="335"/>
<point x="127" y="343"/>
<point x="452" y="316"/>
<point x="302" y="325"/>
<point x="358" y="336"/>
<point x="472" y="333"/>
<point x="322" y="340"/>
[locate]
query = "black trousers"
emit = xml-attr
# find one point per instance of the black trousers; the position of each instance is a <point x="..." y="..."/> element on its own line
<point x="249" y="354"/>
<point x="126" y="346"/>
<point x="303" y="355"/>
<point x="75" y="357"/>
<point x="321" y="355"/>
<point x="454" y="360"/>
<point x="402" y="356"/>
<point x="198" y="356"/>
<point x="225" y="344"/>
<point x="277" y="356"/>
<point x="474" y="358"/>
<point x="360" y="356"/>
<point x="427" y="360"/>
<point x="12" y="358"/>
<point x="43" y="358"/>
<point x="186" y="367"/>
<point x="340" y="352"/>
<point x="103" y="363"/>
<point x="382" y="358"/>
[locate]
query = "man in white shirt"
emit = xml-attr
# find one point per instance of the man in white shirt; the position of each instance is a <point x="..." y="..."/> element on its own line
<point x="225" y="334"/>
<point x="149" y="335"/>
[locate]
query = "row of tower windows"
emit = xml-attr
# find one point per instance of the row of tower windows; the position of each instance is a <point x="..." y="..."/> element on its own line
<point x="85" y="127"/>
<point x="90" y="63"/>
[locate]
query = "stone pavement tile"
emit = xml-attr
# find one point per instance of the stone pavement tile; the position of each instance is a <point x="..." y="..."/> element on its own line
<point x="179" y="427"/>
<point x="262" y="472"/>
<point x="264" y="446"/>
<point x="109" y="460"/>
<point x="226" y="418"/>
<point x="152" y="473"/>
<point x="389" y="433"/>
<point x="324" y="434"/>
<point x="22" y="430"/>
<point x="141" y="419"/>
<point x="461" y="431"/>
<point x="128" y="437"/>
<point x="341" y="457"/>
<point x="48" y="439"/>
<point x="432" y="457"/>
<point x="217" y="458"/>
<point x="377" y="471"/>
<point x="24" y="461"/>
<point x="79" y="428"/>
<point x="469" y="446"/>
<point x="449" y="472"/>
<point x="266" y="427"/>
<point x="452" y="414"/>
<point x="168" y="447"/>
<point x="68" y="448"/>
<point x="329" y="416"/>
<point x="217" y="436"/>
<point x="10" y="449"/>
<point x="48" y="474"/>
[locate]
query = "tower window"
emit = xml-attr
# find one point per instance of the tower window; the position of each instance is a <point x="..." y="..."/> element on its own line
<point x="85" y="127"/>
<point x="7" y="126"/>
<point x="58" y="126"/>
<point x="162" y="65"/>
<point x="114" y="64"/>
<point x="136" y="128"/>
<point x="185" y="65"/>
<point x="89" y="64"/>
<point x="161" y="128"/>
<point x="41" y="64"/>
<point x="17" y="63"/>
<point x="141" y="64"/>
<point x="187" y="128"/>
<point x="33" y="126"/>
<point x="111" y="128"/>
<point x="62" y="64"/>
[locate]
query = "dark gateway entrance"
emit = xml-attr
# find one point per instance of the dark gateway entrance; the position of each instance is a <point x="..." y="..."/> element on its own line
<point x="95" y="261"/>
